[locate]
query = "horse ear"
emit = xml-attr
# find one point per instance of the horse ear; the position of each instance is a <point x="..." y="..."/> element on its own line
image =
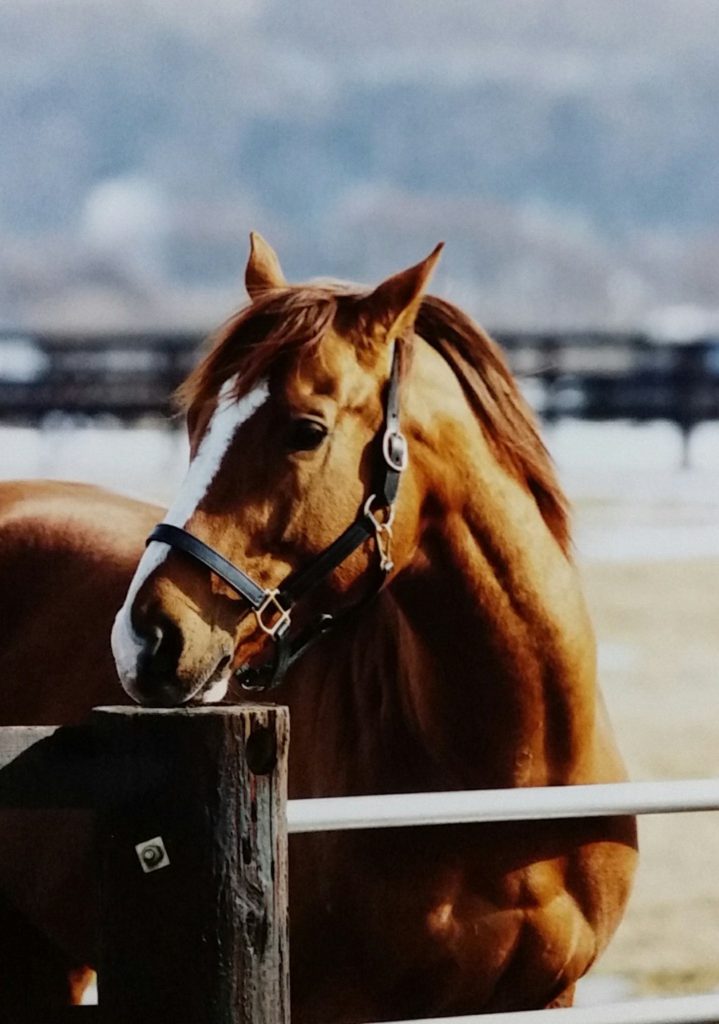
<point x="394" y="304"/>
<point x="263" y="267"/>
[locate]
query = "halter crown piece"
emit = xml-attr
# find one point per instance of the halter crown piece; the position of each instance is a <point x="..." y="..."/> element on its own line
<point x="273" y="607"/>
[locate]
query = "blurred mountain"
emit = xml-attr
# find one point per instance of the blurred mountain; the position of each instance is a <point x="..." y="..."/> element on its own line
<point x="567" y="151"/>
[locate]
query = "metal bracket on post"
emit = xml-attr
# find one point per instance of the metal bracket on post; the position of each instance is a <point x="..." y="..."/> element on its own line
<point x="152" y="855"/>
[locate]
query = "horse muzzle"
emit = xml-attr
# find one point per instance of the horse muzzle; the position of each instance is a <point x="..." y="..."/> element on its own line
<point x="157" y="667"/>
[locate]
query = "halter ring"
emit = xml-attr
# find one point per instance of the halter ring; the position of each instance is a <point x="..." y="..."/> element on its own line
<point x="395" y="451"/>
<point x="272" y="602"/>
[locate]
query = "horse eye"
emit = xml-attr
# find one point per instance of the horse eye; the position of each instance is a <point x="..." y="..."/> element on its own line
<point x="305" y="435"/>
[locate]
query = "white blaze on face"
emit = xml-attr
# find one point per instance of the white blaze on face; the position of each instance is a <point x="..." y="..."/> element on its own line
<point x="227" y="418"/>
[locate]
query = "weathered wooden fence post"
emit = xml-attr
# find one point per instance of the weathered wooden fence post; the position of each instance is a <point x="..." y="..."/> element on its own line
<point x="193" y="865"/>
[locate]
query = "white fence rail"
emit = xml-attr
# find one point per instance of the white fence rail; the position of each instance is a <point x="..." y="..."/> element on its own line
<point x="530" y="804"/>
<point x="685" y="1010"/>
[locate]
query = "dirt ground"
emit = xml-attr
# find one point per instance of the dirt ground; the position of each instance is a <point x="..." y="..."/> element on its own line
<point x="657" y="623"/>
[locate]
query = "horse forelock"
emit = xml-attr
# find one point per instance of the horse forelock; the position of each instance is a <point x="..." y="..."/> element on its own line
<point x="295" y="319"/>
<point x="252" y="342"/>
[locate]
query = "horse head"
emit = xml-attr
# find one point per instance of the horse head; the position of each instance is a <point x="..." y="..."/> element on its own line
<point x="288" y="505"/>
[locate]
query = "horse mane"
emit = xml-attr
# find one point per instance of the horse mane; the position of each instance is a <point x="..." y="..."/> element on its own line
<point x="509" y="424"/>
<point x="286" y="320"/>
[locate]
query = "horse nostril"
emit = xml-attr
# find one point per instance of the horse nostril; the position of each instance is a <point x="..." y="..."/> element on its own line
<point x="162" y="648"/>
<point x="153" y="641"/>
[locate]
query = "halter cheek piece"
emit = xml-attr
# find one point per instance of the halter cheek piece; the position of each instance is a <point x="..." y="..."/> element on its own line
<point x="273" y="607"/>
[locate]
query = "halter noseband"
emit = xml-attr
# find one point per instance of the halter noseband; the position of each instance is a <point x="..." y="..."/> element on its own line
<point x="273" y="607"/>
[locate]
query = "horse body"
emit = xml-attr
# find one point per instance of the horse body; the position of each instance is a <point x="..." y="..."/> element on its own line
<point x="67" y="553"/>
<point x="474" y="667"/>
<point x="492" y="917"/>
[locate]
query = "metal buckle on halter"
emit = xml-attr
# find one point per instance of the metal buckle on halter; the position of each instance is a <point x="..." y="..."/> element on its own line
<point x="395" y="451"/>
<point x="280" y="625"/>
<point x="383" y="533"/>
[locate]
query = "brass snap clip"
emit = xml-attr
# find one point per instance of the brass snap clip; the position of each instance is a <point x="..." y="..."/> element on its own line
<point x="383" y="533"/>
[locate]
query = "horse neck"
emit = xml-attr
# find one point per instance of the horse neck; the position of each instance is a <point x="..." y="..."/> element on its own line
<point x="476" y="667"/>
<point x="498" y="650"/>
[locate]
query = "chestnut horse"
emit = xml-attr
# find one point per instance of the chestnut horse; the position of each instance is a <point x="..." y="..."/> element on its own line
<point x="365" y="455"/>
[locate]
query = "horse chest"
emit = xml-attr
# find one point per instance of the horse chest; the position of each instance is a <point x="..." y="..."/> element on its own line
<point x="425" y="923"/>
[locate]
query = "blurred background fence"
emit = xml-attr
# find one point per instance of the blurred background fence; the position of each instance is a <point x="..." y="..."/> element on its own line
<point x="589" y="375"/>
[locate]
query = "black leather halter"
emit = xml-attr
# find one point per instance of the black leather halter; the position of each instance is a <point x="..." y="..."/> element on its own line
<point x="273" y="607"/>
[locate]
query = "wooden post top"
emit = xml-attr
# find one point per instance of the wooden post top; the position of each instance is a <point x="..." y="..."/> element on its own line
<point x="191" y="711"/>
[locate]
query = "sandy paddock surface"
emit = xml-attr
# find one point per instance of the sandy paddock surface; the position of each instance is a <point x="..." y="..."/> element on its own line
<point x="657" y="623"/>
